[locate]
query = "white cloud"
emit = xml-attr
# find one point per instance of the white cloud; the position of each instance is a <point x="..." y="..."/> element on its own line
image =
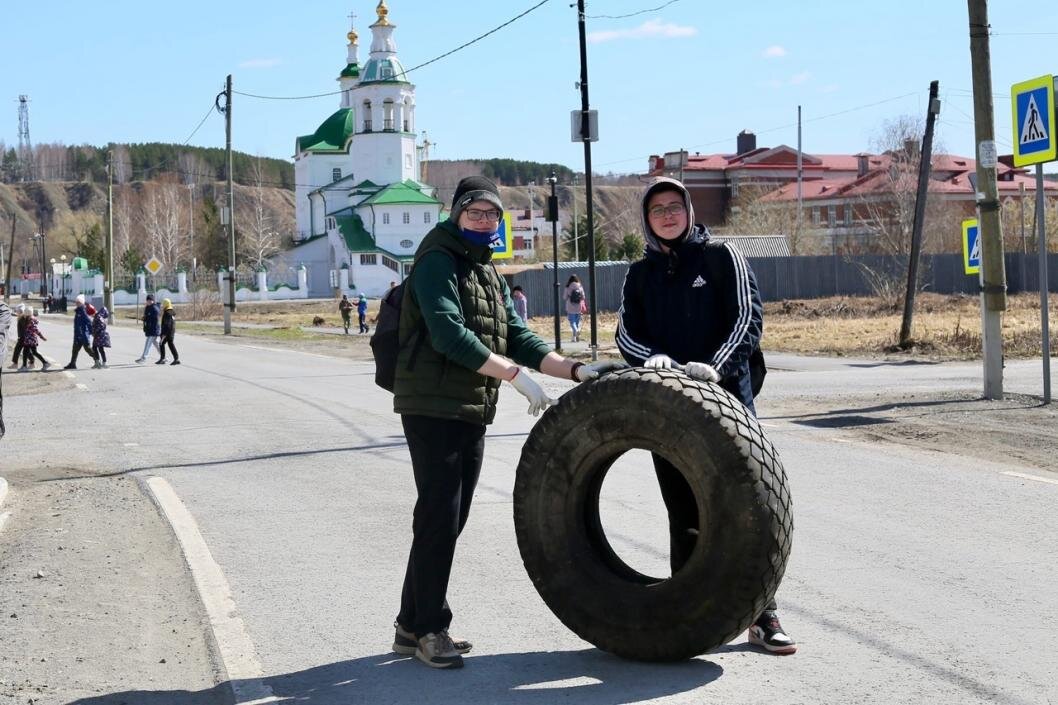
<point x="829" y="88"/>
<point x="799" y="78"/>
<point x="774" y="52"/>
<point x="648" y="30"/>
<point x="259" y="63"/>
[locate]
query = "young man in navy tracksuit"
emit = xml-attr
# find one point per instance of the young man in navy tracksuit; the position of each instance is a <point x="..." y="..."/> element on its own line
<point x="695" y="304"/>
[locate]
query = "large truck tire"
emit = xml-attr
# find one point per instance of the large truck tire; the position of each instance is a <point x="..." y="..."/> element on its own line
<point x="744" y="512"/>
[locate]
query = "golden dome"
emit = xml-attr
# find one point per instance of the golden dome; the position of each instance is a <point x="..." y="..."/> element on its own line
<point x="382" y="11"/>
<point x="352" y="36"/>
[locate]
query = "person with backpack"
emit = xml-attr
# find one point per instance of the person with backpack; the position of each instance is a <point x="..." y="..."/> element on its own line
<point x="575" y="305"/>
<point x="345" y="308"/>
<point x="693" y="303"/>
<point x="458" y="340"/>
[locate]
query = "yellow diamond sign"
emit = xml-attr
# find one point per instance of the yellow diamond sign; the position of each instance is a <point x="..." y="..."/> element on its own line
<point x="153" y="265"/>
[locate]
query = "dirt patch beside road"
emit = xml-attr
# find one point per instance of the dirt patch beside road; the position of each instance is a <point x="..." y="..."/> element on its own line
<point x="95" y="597"/>
<point x="1017" y="428"/>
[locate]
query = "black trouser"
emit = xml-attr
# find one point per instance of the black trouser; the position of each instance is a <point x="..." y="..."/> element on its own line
<point x="77" y="347"/>
<point x="101" y="352"/>
<point x="363" y="322"/>
<point x="29" y="352"/>
<point x="166" y="340"/>
<point x="18" y="351"/>
<point x="446" y="457"/>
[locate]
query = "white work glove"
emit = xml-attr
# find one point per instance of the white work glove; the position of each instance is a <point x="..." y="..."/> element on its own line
<point x="701" y="371"/>
<point x="527" y="386"/>
<point x="586" y="373"/>
<point x="659" y="362"/>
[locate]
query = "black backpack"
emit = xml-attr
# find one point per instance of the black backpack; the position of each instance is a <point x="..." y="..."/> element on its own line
<point x="385" y="341"/>
<point x="576" y="296"/>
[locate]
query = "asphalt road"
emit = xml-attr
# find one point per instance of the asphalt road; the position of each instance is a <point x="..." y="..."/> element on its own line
<point x="916" y="577"/>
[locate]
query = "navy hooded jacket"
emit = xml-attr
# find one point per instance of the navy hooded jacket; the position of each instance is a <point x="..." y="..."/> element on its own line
<point x="698" y="302"/>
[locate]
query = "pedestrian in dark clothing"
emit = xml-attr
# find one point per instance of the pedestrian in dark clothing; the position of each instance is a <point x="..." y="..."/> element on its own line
<point x="345" y="307"/>
<point x="692" y="303"/>
<point x="152" y="327"/>
<point x="361" y="312"/>
<point x="5" y="324"/>
<point x="21" y="321"/>
<point x="458" y="309"/>
<point x="82" y="333"/>
<point x="168" y="333"/>
<point x="31" y="337"/>
<point x="100" y="336"/>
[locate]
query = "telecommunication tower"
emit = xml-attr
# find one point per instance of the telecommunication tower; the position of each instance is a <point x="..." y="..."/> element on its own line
<point x="25" y="147"/>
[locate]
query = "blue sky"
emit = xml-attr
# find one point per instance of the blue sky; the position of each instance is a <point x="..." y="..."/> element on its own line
<point x="692" y="74"/>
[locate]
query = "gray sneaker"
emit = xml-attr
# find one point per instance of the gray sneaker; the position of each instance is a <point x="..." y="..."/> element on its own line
<point x="437" y="651"/>
<point x="405" y="643"/>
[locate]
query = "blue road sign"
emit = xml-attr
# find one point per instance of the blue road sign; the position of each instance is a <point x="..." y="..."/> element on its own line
<point x="1032" y="103"/>
<point x="971" y="246"/>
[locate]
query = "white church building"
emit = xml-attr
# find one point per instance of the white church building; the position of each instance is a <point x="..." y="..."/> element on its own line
<point x="359" y="205"/>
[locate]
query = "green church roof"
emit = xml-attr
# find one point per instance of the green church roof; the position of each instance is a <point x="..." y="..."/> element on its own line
<point x="399" y="193"/>
<point x="332" y="136"/>
<point x="350" y="71"/>
<point x="388" y="70"/>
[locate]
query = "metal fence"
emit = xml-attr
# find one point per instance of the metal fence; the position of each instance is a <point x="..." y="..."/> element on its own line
<point x="804" y="277"/>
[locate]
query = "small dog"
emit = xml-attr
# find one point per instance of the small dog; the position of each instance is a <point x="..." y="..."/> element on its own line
<point x="318" y="320"/>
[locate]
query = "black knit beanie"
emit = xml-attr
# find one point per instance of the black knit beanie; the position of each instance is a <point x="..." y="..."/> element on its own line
<point x="474" y="188"/>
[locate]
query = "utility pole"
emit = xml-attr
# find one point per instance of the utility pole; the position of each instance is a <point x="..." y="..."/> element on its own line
<point x="993" y="271"/>
<point x="10" y="258"/>
<point x="586" y="138"/>
<point x="108" y="267"/>
<point x="230" y="220"/>
<point x="576" y="234"/>
<point x="800" y="177"/>
<point x="552" y="215"/>
<point x="924" y="162"/>
<point x="191" y="225"/>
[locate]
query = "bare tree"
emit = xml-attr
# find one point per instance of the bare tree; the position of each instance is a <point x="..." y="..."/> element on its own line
<point x="749" y="215"/>
<point x="259" y="239"/>
<point x="122" y="164"/>
<point x="163" y="221"/>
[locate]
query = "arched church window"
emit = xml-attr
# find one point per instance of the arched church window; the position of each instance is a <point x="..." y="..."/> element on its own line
<point x="387" y="115"/>
<point x="407" y="115"/>
<point x="407" y="217"/>
<point x="367" y="116"/>
<point x="385" y="218"/>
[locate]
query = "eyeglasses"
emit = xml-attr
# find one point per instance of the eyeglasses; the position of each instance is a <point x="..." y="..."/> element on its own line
<point x="671" y="209"/>
<point x="475" y="215"/>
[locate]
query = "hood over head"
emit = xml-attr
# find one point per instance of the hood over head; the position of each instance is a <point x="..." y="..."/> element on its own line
<point x="695" y="233"/>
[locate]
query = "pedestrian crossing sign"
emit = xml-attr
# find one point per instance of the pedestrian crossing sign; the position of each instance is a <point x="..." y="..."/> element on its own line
<point x="971" y="246"/>
<point x="153" y="265"/>
<point x="1032" y="103"/>
<point x="503" y="242"/>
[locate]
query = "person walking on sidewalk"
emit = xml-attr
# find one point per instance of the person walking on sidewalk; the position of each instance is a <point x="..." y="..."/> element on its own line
<point x="82" y="333"/>
<point x="152" y="327"/>
<point x="463" y="341"/>
<point x="21" y="321"/>
<point x="361" y="312"/>
<point x="345" y="307"/>
<point x="575" y="305"/>
<point x="31" y="337"/>
<point x="521" y="303"/>
<point x="696" y="304"/>
<point x="100" y="336"/>
<point x="168" y="333"/>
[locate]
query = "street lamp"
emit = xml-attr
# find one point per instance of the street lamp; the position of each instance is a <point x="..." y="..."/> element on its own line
<point x="62" y="273"/>
<point x="43" y="265"/>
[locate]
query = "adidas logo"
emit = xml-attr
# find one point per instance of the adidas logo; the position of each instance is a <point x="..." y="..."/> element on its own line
<point x="698" y="282"/>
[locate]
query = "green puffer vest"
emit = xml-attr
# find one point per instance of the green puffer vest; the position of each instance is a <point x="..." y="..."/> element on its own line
<point x="429" y="384"/>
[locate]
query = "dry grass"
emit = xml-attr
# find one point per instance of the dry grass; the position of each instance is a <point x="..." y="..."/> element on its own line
<point x="945" y="327"/>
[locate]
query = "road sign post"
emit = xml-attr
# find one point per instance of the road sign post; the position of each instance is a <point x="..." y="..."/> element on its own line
<point x="1036" y="142"/>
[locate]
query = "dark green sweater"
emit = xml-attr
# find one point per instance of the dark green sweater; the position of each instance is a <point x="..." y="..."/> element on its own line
<point x="468" y="314"/>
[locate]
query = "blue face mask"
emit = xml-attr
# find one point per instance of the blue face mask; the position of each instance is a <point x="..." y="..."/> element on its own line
<point x="479" y="238"/>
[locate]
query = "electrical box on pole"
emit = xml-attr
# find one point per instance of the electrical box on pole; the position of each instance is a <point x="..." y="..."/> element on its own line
<point x="577" y="126"/>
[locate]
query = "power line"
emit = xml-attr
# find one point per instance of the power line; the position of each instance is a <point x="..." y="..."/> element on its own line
<point x="630" y="14"/>
<point x="413" y="68"/>
<point x="200" y="124"/>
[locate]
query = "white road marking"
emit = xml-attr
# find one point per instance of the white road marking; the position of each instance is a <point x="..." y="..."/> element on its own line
<point x="286" y="350"/>
<point x="130" y="445"/>
<point x="1026" y="476"/>
<point x="237" y="651"/>
<point x="82" y="387"/>
<point x="69" y="374"/>
<point x="3" y="519"/>
<point x="3" y="489"/>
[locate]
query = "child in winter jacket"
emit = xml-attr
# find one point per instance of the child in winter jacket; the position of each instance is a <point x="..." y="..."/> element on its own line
<point x="100" y="337"/>
<point x="30" y="340"/>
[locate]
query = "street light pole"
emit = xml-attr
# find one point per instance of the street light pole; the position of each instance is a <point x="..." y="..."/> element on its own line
<point x="585" y="133"/>
<point x="552" y="215"/>
<point x="576" y="238"/>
